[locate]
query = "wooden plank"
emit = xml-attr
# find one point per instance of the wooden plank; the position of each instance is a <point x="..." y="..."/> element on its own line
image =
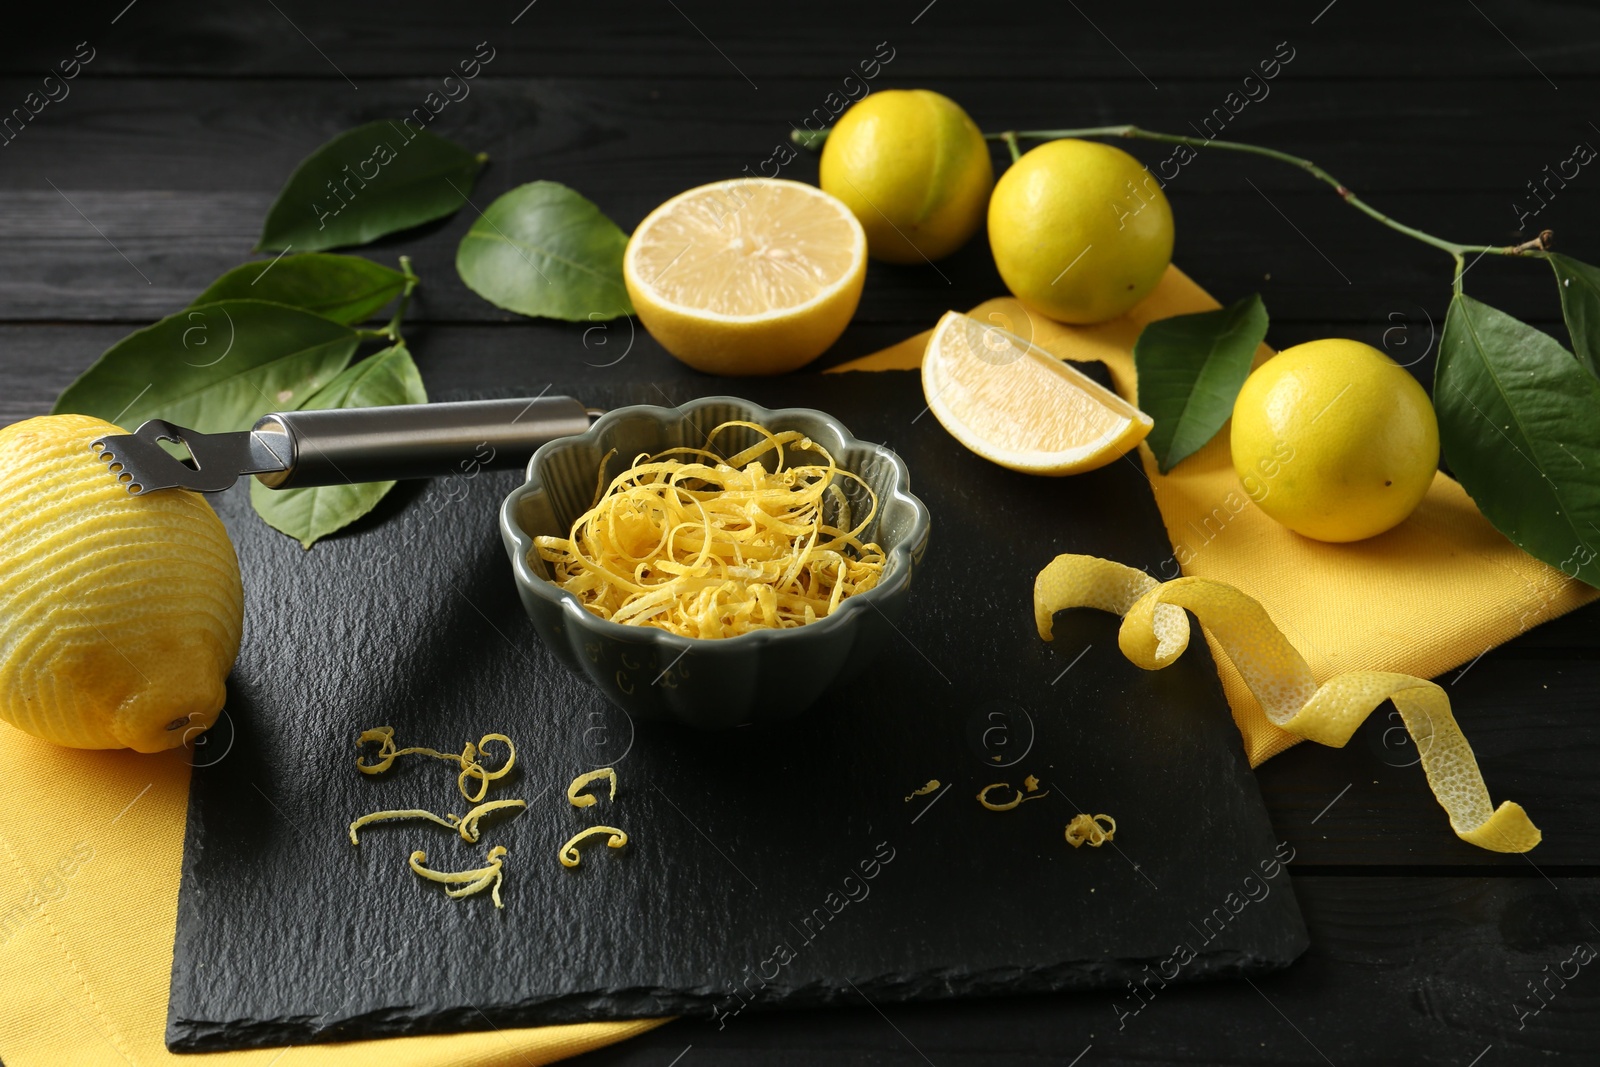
<point x="1426" y="972"/>
<point x="137" y="255"/>
<point x="248" y="133"/>
<point x="740" y="44"/>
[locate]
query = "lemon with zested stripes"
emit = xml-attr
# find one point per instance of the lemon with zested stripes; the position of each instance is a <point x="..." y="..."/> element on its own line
<point x="120" y="615"/>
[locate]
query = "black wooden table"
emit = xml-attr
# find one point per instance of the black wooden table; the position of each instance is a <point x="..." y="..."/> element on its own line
<point x="121" y="201"/>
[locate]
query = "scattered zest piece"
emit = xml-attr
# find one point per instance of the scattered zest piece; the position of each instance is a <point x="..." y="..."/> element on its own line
<point x="701" y="546"/>
<point x="1155" y="631"/>
<point x="933" y="783"/>
<point x="580" y="799"/>
<point x="467" y="760"/>
<point x="1030" y="784"/>
<point x="468" y="824"/>
<point x="466" y="883"/>
<point x="983" y="795"/>
<point x="449" y="822"/>
<point x="569" y="852"/>
<point x="1086" y="830"/>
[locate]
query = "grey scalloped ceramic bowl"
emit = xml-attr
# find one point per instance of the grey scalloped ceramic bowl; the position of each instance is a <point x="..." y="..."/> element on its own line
<point x="709" y="683"/>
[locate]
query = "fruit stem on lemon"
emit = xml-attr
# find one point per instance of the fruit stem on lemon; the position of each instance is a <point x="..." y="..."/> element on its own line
<point x="1538" y="244"/>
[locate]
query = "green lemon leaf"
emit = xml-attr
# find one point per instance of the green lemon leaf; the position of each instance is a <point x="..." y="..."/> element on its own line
<point x="1190" y="370"/>
<point x="1519" y="420"/>
<point x="386" y="377"/>
<point x="1580" y="306"/>
<point x="345" y="289"/>
<point x="542" y="249"/>
<point x="214" y="367"/>
<point x="370" y="181"/>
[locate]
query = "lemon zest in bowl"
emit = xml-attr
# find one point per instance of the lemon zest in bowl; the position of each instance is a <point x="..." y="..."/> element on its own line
<point x="466" y="883"/>
<point x="580" y="799"/>
<point x="1086" y="830"/>
<point x="467" y="759"/>
<point x="1016" y="801"/>
<point x="704" y="546"/>
<point x="569" y="852"/>
<point x="1155" y="631"/>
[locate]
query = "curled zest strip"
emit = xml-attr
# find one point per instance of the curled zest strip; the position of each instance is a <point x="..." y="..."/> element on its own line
<point x="467" y="760"/>
<point x="569" y="852"/>
<point x="933" y="783"/>
<point x="449" y="822"/>
<point x="1086" y="830"/>
<point x="1019" y="799"/>
<point x="1155" y="631"/>
<point x="468" y="824"/>
<point x="466" y="883"/>
<point x="580" y="799"/>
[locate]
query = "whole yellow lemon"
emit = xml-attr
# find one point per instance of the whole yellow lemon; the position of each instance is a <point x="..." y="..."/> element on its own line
<point x="120" y="615"/>
<point x="1334" y="440"/>
<point x="1080" y="231"/>
<point x="913" y="168"/>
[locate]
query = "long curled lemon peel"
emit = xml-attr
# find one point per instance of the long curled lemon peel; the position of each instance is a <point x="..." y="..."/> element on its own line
<point x="569" y="852"/>
<point x="575" y="792"/>
<point x="1155" y="631"/>
<point x="1086" y="830"/>
<point x="466" y="759"/>
<point x="466" y="883"/>
<point x="1016" y="801"/>
<point x="704" y="546"/>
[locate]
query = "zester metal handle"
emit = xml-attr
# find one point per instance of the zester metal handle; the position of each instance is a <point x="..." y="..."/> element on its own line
<point x="343" y="445"/>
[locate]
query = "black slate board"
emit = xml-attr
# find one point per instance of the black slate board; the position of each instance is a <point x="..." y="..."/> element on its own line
<point x="744" y="884"/>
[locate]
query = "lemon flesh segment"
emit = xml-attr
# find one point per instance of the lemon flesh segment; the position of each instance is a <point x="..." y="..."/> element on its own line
<point x="1155" y="631"/>
<point x="751" y="276"/>
<point x="120" y="615"/>
<point x="1015" y="404"/>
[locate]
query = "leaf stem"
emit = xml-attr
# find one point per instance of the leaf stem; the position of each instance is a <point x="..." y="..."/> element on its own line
<point x="390" y="331"/>
<point x="1539" y="243"/>
<point x="1010" y="138"/>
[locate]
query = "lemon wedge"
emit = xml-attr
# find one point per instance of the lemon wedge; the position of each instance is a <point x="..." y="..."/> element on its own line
<point x="749" y="276"/>
<point x="1015" y="404"/>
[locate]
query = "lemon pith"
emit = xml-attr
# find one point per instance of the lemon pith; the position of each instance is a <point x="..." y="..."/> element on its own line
<point x="120" y="615"/>
<point x="1016" y="405"/>
<point x="749" y="276"/>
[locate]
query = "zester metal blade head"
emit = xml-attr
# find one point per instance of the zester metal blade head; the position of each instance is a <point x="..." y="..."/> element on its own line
<point x="216" y="460"/>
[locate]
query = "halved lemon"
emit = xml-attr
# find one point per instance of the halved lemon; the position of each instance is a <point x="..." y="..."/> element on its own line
<point x="749" y="276"/>
<point x="1015" y="404"/>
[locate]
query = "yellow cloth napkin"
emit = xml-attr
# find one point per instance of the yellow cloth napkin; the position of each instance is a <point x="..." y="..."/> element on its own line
<point x="90" y="848"/>
<point x="1435" y="592"/>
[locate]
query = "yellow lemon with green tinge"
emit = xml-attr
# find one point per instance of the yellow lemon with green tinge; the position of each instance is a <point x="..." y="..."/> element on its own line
<point x="1335" y="440"/>
<point x="120" y="615"/>
<point x="913" y="168"/>
<point x="1080" y="231"/>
